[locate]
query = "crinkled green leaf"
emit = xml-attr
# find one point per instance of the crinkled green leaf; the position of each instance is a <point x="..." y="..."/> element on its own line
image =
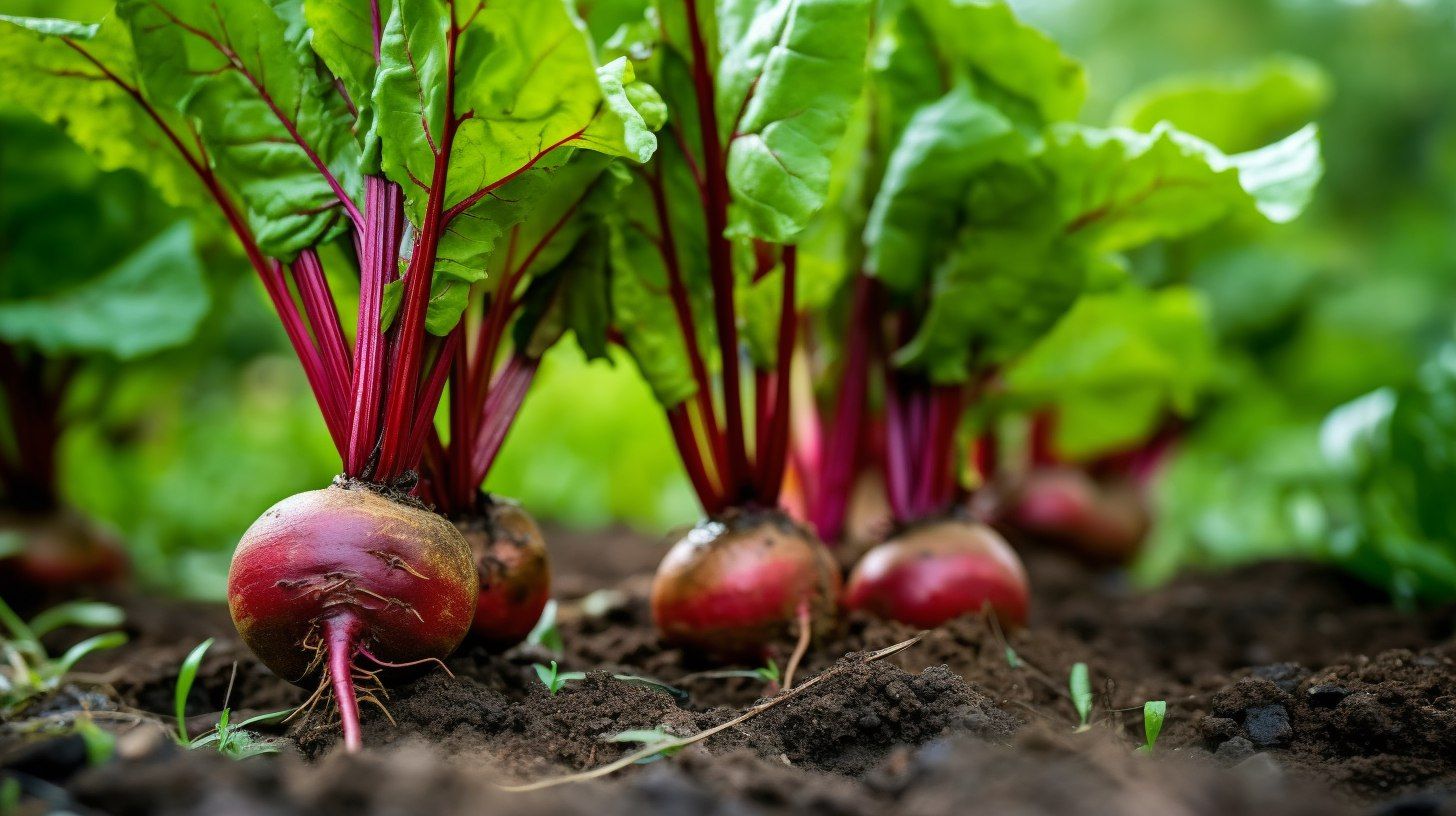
<point x="42" y="73"/>
<point x="995" y="293"/>
<point x="152" y="300"/>
<point x="642" y="305"/>
<point x="1118" y="189"/>
<point x="915" y="215"/>
<point x="1235" y="112"/>
<point x="788" y="79"/>
<point x="249" y="80"/>
<point x="527" y="85"/>
<point x="985" y="37"/>
<point x="562" y="247"/>
<point x="1116" y="364"/>
<point x="343" y="37"/>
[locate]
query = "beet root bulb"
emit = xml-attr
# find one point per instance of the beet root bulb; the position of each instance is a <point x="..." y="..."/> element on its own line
<point x="1101" y="521"/>
<point x="737" y="583"/>
<point x="938" y="571"/>
<point x="514" y="570"/>
<point x="331" y="576"/>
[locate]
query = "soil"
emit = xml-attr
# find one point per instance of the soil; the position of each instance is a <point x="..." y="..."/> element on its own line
<point x="1290" y="689"/>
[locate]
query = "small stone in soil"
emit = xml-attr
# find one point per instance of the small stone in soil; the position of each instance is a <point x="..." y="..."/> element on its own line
<point x="1234" y="751"/>
<point x="1268" y="725"/>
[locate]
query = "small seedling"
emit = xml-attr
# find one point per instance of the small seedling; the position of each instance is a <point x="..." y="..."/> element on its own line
<point x="231" y="740"/>
<point x="1081" y="689"/>
<point x="769" y="673"/>
<point x="545" y="634"/>
<point x="29" y="671"/>
<point x="650" y="737"/>
<point x="1012" y="659"/>
<point x="1154" y="712"/>
<point x="100" y="743"/>
<point x="555" y="679"/>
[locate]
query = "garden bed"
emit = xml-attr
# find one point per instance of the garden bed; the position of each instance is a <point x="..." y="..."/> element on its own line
<point x="1290" y="689"/>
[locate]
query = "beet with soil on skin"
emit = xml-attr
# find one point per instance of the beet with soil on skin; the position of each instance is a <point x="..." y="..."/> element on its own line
<point x="329" y="576"/>
<point x="514" y="571"/>
<point x="737" y="583"/>
<point x="1101" y="521"/>
<point x="937" y="571"/>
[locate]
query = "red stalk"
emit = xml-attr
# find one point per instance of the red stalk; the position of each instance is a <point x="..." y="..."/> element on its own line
<point x="323" y="318"/>
<point x="842" y="450"/>
<point x="683" y="309"/>
<point x="308" y="355"/>
<point x="771" y="466"/>
<point x="737" y="482"/>
<point x="429" y="396"/>
<point x="688" y="449"/>
<point x="897" y="452"/>
<point x="507" y="395"/>
<point x="384" y="208"/>
<point x="402" y="401"/>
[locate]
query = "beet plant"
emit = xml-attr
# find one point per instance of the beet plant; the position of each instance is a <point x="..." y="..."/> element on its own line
<point x="97" y="278"/>
<point x="395" y="144"/>
<point x="973" y="219"/>
<point x="705" y="286"/>
<point x="549" y="278"/>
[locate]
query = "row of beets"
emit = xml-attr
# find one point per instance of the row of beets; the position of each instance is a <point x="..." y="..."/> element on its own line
<point x="824" y="233"/>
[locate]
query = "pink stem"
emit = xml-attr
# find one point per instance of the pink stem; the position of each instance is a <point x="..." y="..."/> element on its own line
<point x="384" y="205"/>
<point x="501" y="407"/>
<point x="341" y="639"/>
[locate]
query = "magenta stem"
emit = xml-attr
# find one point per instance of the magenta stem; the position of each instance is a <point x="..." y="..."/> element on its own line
<point x="843" y="449"/>
<point x="341" y="639"/>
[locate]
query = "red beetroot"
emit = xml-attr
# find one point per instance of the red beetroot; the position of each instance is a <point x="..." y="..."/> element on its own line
<point x="514" y="570"/>
<point x="940" y="570"/>
<point x="329" y="576"/>
<point x="740" y="581"/>
<point x="61" y="555"/>
<point x="1102" y="521"/>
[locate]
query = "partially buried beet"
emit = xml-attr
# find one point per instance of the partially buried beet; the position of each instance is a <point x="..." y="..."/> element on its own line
<point x="330" y="576"/>
<point x="514" y="571"/>
<point x="938" y="570"/>
<point x="743" y="580"/>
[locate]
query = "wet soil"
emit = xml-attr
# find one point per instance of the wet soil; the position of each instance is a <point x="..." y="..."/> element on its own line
<point x="1290" y="689"/>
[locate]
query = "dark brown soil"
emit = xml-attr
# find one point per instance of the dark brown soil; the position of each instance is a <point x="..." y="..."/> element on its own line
<point x="1291" y="689"/>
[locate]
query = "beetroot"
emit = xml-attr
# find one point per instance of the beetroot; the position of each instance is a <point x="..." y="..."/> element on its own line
<point x="330" y="576"/>
<point x="1101" y="521"/>
<point x="514" y="571"/>
<point x="737" y="582"/>
<point x="939" y="570"/>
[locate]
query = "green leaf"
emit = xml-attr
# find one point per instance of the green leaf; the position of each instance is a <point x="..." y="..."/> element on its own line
<point x="1154" y="712"/>
<point x="544" y="633"/>
<point x="643" y="308"/>
<point x="152" y="300"/>
<point x="343" y="37"/>
<point x="1118" y="189"/>
<point x="915" y="215"/>
<point x="1116" y="364"/>
<point x="1081" y="689"/>
<point x="648" y="738"/>
<point x="89" y="614"/>
<point x="44" y="67"/>
<point x="985" y="37"/>
<point x="574" y="296"/>
<point x="265" y="112"/>
<point x="527" y="86"/>
<point x="1235" y="112"/>
<point x="186" y="676"/>
<point x="73" y="655"/>
<point x="790" y="73"/>
<point x="995" y="293"/>
<point x="1282" y="176"/>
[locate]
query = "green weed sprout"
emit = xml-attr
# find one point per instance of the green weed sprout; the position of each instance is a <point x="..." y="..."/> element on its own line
<point x="544" y="633"/>
<point x="231" y="740"/>
<point x="28" y="671"/>
<point x="648" y="738"/>
<point x="1154" y="712"/>
<point x="1081" y="689"/>
<point x="555" y="679"/>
